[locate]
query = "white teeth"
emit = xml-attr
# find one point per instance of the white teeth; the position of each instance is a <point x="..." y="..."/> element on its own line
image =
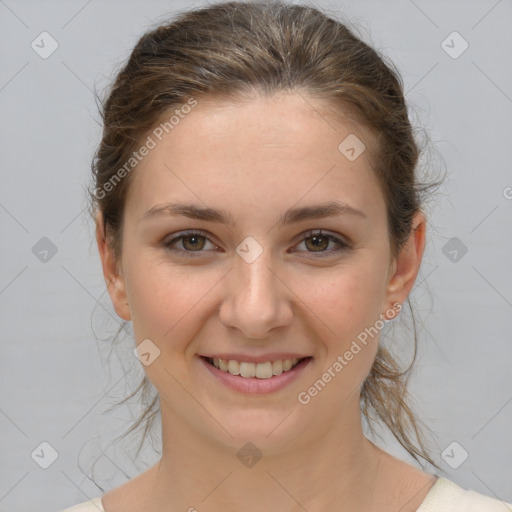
<point x="248" y="369"/>
<point x="260" y="370"/>
<point x="264" y="370"/>
<point x="233" y="367"/>
<point x="277" y="367"/>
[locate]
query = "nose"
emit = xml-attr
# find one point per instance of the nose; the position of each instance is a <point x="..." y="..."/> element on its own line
<point x="256" y="298"/>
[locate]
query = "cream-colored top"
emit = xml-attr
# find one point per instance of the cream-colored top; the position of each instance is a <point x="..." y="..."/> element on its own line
<point x="444" y="496"/>
<point x="447" y="496"/>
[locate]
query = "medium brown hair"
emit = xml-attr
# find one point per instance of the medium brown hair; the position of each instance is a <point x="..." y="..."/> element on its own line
<point x="235" y="50"/>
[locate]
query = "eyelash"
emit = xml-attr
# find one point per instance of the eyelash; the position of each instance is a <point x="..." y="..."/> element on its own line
<point x="342" y="245"/>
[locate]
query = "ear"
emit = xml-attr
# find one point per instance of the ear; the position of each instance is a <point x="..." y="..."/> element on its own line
<point x="407" y="264"/>
<point x="115" y="282"/>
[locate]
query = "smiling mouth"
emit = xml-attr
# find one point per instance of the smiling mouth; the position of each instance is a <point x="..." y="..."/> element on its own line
<point x="264" y="370"/>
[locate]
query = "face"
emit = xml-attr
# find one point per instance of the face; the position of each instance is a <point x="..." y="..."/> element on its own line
<point x="258" y="287"/>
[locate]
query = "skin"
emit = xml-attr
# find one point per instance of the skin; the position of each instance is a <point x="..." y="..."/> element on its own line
<point x="256" y="159"/>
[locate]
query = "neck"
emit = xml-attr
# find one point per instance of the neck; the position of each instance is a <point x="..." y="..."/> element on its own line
<point x="335" y="468"/>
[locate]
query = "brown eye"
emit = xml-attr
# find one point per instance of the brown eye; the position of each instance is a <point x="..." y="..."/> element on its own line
<point x="318" y="242"/>
<point x="187" y="243"/>
<point x="193" y="242"/>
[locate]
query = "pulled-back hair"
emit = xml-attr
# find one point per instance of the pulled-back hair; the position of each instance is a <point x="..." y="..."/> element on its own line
<point x="237" y="50"/>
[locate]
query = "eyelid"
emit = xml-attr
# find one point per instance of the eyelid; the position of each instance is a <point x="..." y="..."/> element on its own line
<point x="328" y="234"/>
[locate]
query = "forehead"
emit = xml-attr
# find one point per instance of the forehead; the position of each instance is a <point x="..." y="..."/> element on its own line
<point x="262" y="151"/>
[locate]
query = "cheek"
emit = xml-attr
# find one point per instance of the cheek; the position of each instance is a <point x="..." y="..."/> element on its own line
<point x="167" y="299"/>
<point x="346" y="299"/>
<point x="345" y="306"/>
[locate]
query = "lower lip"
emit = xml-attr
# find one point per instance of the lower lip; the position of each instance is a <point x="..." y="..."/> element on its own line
<point x="253" y="385"/>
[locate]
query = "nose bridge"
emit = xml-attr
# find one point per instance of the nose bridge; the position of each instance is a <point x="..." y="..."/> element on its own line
<point x="255" y="301"/>
<point x="255" y="278"/>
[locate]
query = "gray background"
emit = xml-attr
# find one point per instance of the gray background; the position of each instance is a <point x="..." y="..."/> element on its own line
<point x="56" y="376"/>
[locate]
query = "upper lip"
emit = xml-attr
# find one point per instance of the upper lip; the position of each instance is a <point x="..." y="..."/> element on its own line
<point x="274" y="356"/>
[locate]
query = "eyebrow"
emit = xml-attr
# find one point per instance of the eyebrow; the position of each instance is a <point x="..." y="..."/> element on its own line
<point x="291" y="216"/>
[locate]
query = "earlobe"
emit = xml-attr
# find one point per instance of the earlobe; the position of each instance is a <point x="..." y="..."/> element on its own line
<point x="113" y="279"/>
<point x="407" y="264"/>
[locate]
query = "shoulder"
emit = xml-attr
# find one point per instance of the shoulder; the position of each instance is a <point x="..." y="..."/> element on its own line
<point x="93" y="505"/>
<point x="447" y="496"/>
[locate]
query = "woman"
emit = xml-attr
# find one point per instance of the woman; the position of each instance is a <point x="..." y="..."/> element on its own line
<point x="259" y="222"/>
